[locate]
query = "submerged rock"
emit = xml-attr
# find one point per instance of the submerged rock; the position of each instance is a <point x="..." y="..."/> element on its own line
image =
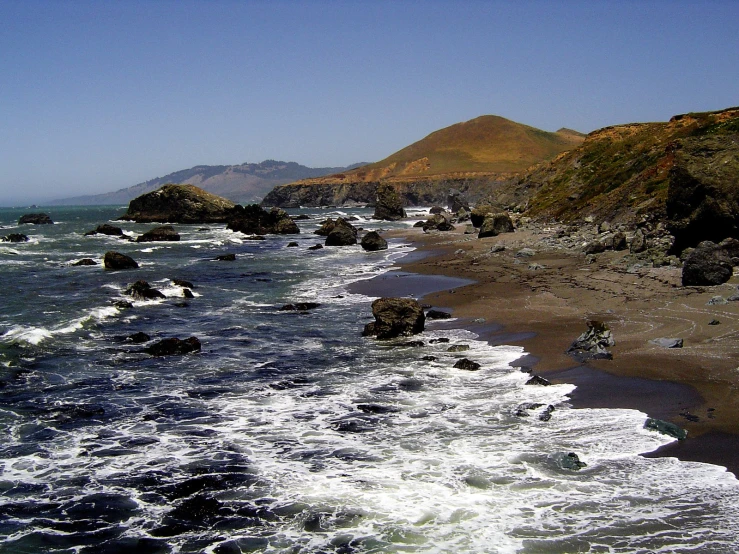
<point x="164" y="233"/>
<point x="372" y="242"/>
<point x="35" y="219"/>
<point x="174" y="346"/>
<point x="395" y="317"/>
<point x="116" y="260"/>
<point x="178" y="204"/>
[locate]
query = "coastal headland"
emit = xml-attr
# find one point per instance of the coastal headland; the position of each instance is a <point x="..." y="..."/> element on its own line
<point x="543" y="300"/>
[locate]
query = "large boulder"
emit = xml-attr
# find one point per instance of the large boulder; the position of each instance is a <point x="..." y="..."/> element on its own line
<point x="372" y="242"/>
<point x="178" y="204"/>
<point x="708" y="264"/>
<point x="481" y="211"/>
<point x="255" y="220"/>
<point x="116" y="260"/>
<point x="342" y="234"/>
<point x="389" y="205"/>
<point x="395" y="317"/>
<point x="439" y="222"/>
<point x="495" y="224"/>
<point x="703" y="191"/>
<point x="35" y="219"/>
<point x="160" y="234"/>
<point x="106" y="229"/>
<point x="593" y="344"/>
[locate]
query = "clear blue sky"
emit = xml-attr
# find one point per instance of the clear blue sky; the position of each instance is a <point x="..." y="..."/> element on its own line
<point x="97" y="96"/>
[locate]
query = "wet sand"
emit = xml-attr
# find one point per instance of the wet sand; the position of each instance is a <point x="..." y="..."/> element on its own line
<point x="542" y="303"/>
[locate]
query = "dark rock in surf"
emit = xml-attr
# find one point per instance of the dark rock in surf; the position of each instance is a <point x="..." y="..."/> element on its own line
<point x="593" y="344"/>
<point x="571" y="461"/>
<point x="438" y="314"/>
<point x="292" y="244"/>
<point x="122" y="304"/>
<point x="174" y="346"/>
<point x="116" y="261"/>
<point x="179" y="204"/>
<point x="299" y="307"/>
<point x="225" y="258"/>
<point x="395" y="317"/>
<point x="35" y="219"/>
<point x="536" y="380"/>
<point x="458" y="348"/>
<point x="342" y="234"/>
<point x="106" y="229"/>
<point x="141" y="290"/>
<point x="666" y="428"/>
<point x="164" y="233"/>
<point x="708" y="264"/>
<point x="183" y="284"/>
<point x="389" y="204"/>
<point x="138" y="338"/>
<point x="436" y="210"/>
<point x="15" y="237"/>
<point x="467" y="365"/>
<point x="85" y="261"/>
<point x="187" y="293"/>
<point x="373" y="242"/>
<point x="315" y="247"/>
<point x="255" y="220"/>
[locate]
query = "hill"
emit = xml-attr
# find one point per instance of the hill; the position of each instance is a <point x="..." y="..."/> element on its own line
<point x="467" y="155"/>
<point x="245" y="183"/>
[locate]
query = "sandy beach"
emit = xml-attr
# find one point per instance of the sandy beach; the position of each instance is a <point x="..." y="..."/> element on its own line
<point x="543" y="301"/>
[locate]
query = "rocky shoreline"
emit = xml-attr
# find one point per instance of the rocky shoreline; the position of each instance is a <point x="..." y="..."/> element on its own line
<point x="540" y="286"/>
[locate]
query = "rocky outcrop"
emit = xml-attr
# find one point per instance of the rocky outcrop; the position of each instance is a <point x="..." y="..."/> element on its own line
<point x="481" y="211"/>
<point x="35" y="219"/>
<point x="106" y="229"/>
<point x="388" y="205"/>
<point x="85" y="262"/>
<point x="708" y="264"/>
<point x="593" y="344"/>
<point x="343" y="233"/>
<point x="165" y="233"/>
<point x="703" y="193"/>
<point x="255" y="220"/>
<point x="457" y="200"/>
<point x="15" y="237"/>
<point x="495" y="224"/>
<point x="178" y="204"/>
<point x="116" y="261"/>
<point x="174" y="346"/>
<point x="395" y="317"/>
<point x="372" y="242"/>
<point x="141" y="290"/>
<point x="467" y="365"/>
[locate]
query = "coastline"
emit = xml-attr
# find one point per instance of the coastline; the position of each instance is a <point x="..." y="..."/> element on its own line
<point x="544" y="309"/>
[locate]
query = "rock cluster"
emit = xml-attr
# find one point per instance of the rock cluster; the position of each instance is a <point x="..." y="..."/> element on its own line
<point x="164" y="233"/>
<point x="342" y="233"/>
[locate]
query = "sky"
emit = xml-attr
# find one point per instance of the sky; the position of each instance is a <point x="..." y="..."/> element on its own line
<point x="96" y="96"/>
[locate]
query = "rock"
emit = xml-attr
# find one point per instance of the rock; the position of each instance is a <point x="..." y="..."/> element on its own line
<point x="141" y="290"/>
<point x="419" y="224"/>
<point x="495" y="224"/>
<point x="458" y="348"/>
<point x="666" y="428"/>
<point x="714" y="322"/>
<point x="326" y="227"/>
<point x="441" y="340"/>
<point x="467" y="365"/>
<point x="315" y="247"/>
<point x="343" y="234"/>
<point x="717" y="301"/>
<point x="187" y="293"/>
<point x="292" y="244"/>
<point x="668" y="343"/>
<point x="372" y="242"/>
<point x="469" y="229"/>
<point x="593" y="343"/>
<point x="395" y="317"/>
<point x="481" y="211"/>
<point x="254" y="220"/>
<point x="436" y="210"/>
<point x="389" y="205"/>
<point x="116" y="261"/>
<point x="15" y="237"/>
<point x="255" y="237"/>
<point x="702" y="202"/>
<point x="164" y="233"/>
<point x="35" y="219"/>
<point x="225" y="258"/>
<point x="536" y="267"/>
<point x="413" y="343"/>
<point x="174" y="346"/>
<point x="438" y="314"/>
<point x="595" y="247"/>
<point x="439" y="222"/>
<point x="546" y="414"/>
<point x="570" y="461"/>
<point x="457" y="201"/>
<point x="138" y="338"/>
<point x="619" y="241"/>
<point x="85" y="261"/>
<point x="464" y="215"/>
<point x="429" y="358"/>
<point x="301" y="217"/>
<point x="183" y="284"/>
<point x="537" y="380"/>
<point x="178" y="204"/>
<point x="122" y="304"/>
<point x="525" y="253"/>
<point x="638" y="242"/>
<point x="300" y="307"/>
<point x="106" y="229"/>
<point x="731" y="247"/>
<point x="708" y="264"/>
<point x="497" y="248"/>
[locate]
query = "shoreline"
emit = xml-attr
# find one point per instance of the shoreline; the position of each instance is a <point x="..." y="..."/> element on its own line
<point x="546" y="308"/>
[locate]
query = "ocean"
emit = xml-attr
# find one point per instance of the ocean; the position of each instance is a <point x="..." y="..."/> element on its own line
<point x="289" y="431"/>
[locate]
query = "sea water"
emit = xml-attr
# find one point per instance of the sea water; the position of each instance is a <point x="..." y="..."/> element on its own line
<point x="289" y="431"/>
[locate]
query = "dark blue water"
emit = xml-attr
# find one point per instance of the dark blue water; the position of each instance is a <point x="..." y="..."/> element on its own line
<point x="288" y="431"/>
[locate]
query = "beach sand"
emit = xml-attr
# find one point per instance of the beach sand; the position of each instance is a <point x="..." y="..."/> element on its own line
<point x="543" y="302"/>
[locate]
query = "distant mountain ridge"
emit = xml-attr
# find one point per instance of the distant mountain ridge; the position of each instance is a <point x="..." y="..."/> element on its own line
<point x="244" y="183"/>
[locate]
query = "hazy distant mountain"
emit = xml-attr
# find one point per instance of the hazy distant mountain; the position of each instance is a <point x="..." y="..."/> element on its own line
<point x="245" y="183"/>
